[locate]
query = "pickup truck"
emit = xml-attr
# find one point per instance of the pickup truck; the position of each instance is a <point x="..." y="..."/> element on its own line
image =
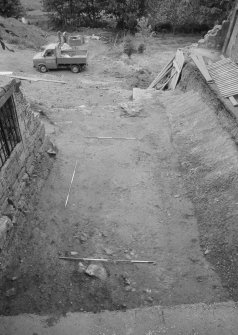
<point x="54" y="57"/>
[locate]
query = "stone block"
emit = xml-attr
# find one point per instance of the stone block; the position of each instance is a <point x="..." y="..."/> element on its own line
<point x="22" y="158"/>
<point x="19" y="190"/>
<point x="30" y="162"/>
<point x="21" y="173"/>
<point x="5" y="226"/>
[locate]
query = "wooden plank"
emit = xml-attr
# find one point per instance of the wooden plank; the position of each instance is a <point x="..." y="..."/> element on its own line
<point x="36" y="79"/>
<point x="218" y="64"/>
<point x="67" y="199"/>
<point x="227" y="85"/>
<point x="201" y="68"/>
<point x="175" y="64"/>
<point x="222" y="61"/>
<point x="170" y="80"/>
<point x="39" y="79"/>
<point x="201" y="60"/>
<point x="111" y="138"/>
<point x="224" y="89"/>
<point x="5" y="73"/>
<point x="228" y="67"/>
<point x="232" y="93"/>
<point x="225" y="74"/>
<point x="178" y="63"/>
<point x="6" y="96"/>
<point x="233" y="101"/>
<point x="161" y="74"/>
<point x="105" y="260"/>
<point x="180" y="59"/>
<point x="231" y="74"/>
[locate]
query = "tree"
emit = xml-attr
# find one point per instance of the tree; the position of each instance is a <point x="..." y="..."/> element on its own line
<point x="127" y="12"/>
<point x="72" y="12"/>
<point x="9" y="8"/>
<point x="189" y="13"/>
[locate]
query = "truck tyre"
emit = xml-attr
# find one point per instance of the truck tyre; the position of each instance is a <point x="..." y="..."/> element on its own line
<point x="43" y="68"/>
<point x="75" y="68"/>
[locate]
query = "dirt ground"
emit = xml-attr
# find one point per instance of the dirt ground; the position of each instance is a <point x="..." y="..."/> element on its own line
<point x="128" y="199"/>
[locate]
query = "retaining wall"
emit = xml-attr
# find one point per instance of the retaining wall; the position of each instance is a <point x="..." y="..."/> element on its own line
<point x="17" y="169"/>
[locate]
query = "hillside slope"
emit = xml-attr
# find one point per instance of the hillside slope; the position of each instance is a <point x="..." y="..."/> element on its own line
<point x="25" y="36"/>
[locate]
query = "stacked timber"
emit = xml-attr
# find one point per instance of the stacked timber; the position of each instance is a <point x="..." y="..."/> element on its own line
<point x="170" y="74"/>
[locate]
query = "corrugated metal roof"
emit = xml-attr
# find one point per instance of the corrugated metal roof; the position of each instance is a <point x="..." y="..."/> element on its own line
<point x="225" y="75"/>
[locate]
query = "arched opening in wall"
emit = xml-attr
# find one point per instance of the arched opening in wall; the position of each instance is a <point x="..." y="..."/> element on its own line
<point x="10" y="134"/>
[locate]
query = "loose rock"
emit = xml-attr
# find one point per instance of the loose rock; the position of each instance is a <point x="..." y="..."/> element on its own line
<point x="10" y="293"/>
<point x="206" y="252"/>
<point x="83" y="238"/>
<point x="81" y="267"/>
<point x="109" y="252"/>
<point x="97" y="271"/>
<point x="150" y="299"/>
<point x="5" y="226"/>
<point x="74" y="253"/>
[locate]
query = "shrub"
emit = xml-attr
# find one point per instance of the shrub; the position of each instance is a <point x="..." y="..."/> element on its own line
<point x="10" y="8"/>
<point x="141" y="48"/>
<point x="128" y="46"/>
<point x="13" y="40"/>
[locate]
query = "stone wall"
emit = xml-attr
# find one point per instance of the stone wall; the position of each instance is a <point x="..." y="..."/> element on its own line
<point x="16" y="171"/>
<point x="215" y="38"/>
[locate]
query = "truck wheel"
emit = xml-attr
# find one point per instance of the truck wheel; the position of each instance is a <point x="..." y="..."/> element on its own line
<point x="43" y="69"/>
<point x="75" y="68"/>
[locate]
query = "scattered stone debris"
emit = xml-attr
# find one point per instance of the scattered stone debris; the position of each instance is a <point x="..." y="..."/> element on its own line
<point x="11" y="292"/>
<point x="74" y="253"/>
<point x="131" y="109"/>
<point x="108" y="251"/>
<point x="127" y="283"/>
<point x="5" y="226"/>
<point x="150" y="299"/>
<point x="147" y="290"/>
<point x="126" y="280"/>
<point x="81" y="268"/>
<point x="97" y="271"/>
<point x="104" y="234"/>
<point x="52" y="151"/>
<point x="83" y="238"/>
<point x="207" y="251"/>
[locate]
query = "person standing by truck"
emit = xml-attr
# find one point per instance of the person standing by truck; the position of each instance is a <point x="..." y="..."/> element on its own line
<point x="65" y="37"/>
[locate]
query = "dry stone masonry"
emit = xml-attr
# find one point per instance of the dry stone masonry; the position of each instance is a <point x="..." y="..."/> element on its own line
<point x="21" y="156"/>
<point x="215" y="37"/>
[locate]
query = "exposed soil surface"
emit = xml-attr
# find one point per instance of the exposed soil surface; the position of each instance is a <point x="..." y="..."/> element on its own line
<point x="128" y="199"/>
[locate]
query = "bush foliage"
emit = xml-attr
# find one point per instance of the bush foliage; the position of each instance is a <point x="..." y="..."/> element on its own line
<point x="10" y="8"/>
<point x="127" y="13"/>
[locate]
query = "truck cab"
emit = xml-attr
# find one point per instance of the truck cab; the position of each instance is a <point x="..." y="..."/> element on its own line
<point x="50" y="58"/>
